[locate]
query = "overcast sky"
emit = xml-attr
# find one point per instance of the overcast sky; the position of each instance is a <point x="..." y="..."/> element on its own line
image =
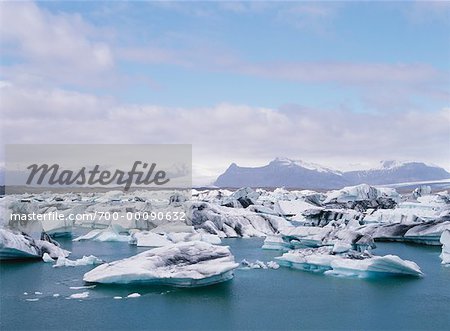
<point x="341" y="84"/>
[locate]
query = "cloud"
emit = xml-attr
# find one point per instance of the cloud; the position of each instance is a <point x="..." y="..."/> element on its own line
<point x="46" y="47"/>
<point x="227" y="133"/>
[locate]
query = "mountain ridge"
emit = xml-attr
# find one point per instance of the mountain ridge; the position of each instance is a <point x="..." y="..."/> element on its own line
<point x="284" y="172"/>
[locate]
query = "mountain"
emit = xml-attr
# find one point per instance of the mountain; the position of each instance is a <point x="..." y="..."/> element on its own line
<point x="391" y="172"/>
<point x="283" y="172"/>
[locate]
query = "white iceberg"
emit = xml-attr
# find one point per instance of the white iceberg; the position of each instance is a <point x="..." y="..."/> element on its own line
<point x="362" y="192"/>
<point x="149" y="239"/>
<point x="85" y="260"/>
<point x="259" y="265"/>
<point x="47" y="258"/>
<point x="109" y="234"/>
<point x="57" y="227"/>
<point x="16" y="245"/>
<point x="445" y="241"/>
<point x="350" y="263"/>
<point x="234" y="222"/>
<point x="187" y="264"/>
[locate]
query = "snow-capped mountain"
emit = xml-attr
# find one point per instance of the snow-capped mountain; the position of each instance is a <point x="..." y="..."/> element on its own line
<point x="391" y="172"/>
<point x="283" y="172"/>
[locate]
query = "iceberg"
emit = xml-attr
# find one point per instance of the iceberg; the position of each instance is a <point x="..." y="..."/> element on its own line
<point x="186" y="264"/>
<point x="234" y="222"/>
<point x="16" y="245"/>
<point x="362" y="192"/>
<point x="46" y="258"/>
<point x="149" y="239"/>
<point x="259" y="265"/>
<point x="85" y="260"/>
<point x="445" y="241"/>
<point x="349" y="263"/>
<point x="109" y="234"/>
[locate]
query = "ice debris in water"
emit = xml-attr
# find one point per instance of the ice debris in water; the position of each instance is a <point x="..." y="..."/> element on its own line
<point x="47" y="258"/>
<point x="82" y="295"/>
<point x="133" y="295"/>
<point x="85" y="260"/>
<point x="259" y="264"/>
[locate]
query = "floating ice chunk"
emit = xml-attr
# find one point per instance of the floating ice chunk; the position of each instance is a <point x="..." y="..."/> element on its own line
<point x="25" y="293"/>
<point x="276" y="242"/>
<point x="273" y="265"/>
<point x="46" y="258"/>
<point x="117" y="298"/>
<point x="360" y="193"/>
<point x="351" y="263"/>
<point x="184" y="264"/>
<point x="57" y="228"/>
<point x="108" y="234"/>
<point x="428" y="233"/>
<point x="234" y="222"/>
<point x="85" y="260"/>
<point x="389" y="265"/>
<point x="295" y="207"/>
<point x="149" y="239"/>
<point x="56" y="295"/>
<point x="341" y="247"/>
<point x="17" y="245"/>
<point x="38" y="293"/>
<point x="81" y="287"/>
<point x="82" y="295"/>
<point x="253" y="265"/>
<point x="133" y="295"/>
<point x="445" y="241"/>
<point x="34" y="299"/>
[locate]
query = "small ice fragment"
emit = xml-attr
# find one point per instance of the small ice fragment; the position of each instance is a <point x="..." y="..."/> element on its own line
<point x="82" y="295"/>
<point x="56" y="295"/>
<point x="38" y="293"/>
<point x="133" y="295"/>
<point x="25" y="293"/>
<point x="117" y="298"/>
<point x="47" y="258"/>
<point x="35" y="299"/>
<point x="82" y="287"/>
<point x="273" y="265"/>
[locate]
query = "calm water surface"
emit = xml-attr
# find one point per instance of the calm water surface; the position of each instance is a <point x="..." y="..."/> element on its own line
<point x="255" y="299"/>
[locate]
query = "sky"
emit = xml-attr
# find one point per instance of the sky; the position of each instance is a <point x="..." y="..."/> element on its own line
<point x="343" y="84"/>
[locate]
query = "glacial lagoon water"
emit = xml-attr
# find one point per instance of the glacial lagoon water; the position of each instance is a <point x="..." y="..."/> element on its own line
<point x="255" y="299"/>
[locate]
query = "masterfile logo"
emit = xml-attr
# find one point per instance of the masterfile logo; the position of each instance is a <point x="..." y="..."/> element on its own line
<point x="123" y="167"/>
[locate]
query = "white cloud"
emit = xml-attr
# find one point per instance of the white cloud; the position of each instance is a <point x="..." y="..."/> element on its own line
<point x="227" y="133"/>
<point x="57" y="48"/>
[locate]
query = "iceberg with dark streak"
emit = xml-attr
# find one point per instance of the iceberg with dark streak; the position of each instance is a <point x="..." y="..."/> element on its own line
<point x="348" y="263"/>
<point x="186" y="264"/>
<point x="17" y="245"/>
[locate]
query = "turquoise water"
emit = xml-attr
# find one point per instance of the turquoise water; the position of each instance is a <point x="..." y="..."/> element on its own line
<point x="255" y="299"/>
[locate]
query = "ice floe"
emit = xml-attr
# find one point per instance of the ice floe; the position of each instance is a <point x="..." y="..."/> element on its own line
<point x="349" y="263"/>
<point x="82" y="295"/>
<point x="185" y="264"/>
<point x="16" y="245"/>
<point x="259" y="265"/>
<point x="85" y="260"/>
